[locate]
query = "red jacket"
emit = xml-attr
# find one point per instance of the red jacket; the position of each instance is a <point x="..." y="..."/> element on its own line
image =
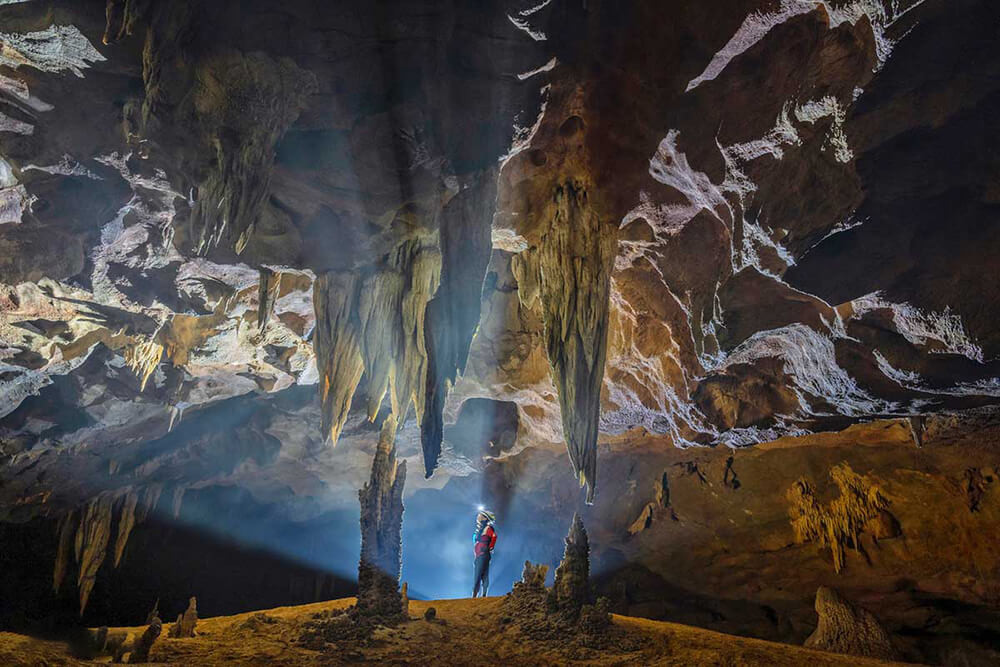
<point x="486" y="540"/>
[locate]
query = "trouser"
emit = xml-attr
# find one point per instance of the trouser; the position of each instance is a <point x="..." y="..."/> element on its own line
<point x="482" y="574"/>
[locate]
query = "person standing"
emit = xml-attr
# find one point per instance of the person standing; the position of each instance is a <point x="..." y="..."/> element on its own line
<point x="484" y="540"/>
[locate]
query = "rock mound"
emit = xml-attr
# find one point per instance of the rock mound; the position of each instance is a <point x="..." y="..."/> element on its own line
<point x="846" y="628"/>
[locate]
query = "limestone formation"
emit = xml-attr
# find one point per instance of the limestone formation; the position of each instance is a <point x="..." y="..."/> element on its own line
<point x="267" y="292"/>
<point x="126" y="521"/>
<point x="92" y="538"/>
<point x="338" y="347"/>
<point x="144" y="644"/>
<point x="186" y="621"/>
<point x="453" y="314"/>
<point x="381" y="530"/>
<point x="572" y="583"/>
<point x="534" y="575"/>
<point x="846" y="628"/>
<point x="64" y="552"/>
<point x="572" y="271"/>
<point x="841" y="523"/>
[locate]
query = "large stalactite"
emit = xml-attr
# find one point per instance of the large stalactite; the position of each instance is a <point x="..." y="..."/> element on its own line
<point x="453" y="314"/>
<point x="570" y="273"/>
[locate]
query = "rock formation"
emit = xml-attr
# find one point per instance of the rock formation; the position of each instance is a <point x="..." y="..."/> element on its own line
<point x="534" y="575"/>
<point x="846" y="628"/>
<point x="858" y="508"/>
<point x="381" y="527"/>
<point x="233" y="232"/>
<point x="572" y="584"/>
<point x="186" y="621"/>
<point x="144" y="643"/>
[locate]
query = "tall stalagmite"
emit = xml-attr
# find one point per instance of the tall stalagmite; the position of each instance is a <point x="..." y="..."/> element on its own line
<point x="572" y="584"/>
<point x="381" y="529"/>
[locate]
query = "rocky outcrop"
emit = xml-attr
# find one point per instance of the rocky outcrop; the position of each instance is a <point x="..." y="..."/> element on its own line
<point x="381" y="530"/>
<point x="846" y="628"/>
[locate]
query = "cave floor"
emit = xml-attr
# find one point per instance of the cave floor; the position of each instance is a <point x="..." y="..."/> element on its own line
<point x="464" y="632"/>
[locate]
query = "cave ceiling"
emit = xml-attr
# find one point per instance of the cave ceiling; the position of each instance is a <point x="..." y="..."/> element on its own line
<point x="236" y="236"/>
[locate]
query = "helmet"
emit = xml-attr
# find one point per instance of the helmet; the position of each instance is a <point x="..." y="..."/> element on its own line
<point x="488" y="514"/>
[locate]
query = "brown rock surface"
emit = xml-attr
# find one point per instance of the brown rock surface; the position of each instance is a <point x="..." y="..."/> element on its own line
<point x="846" y="628"/>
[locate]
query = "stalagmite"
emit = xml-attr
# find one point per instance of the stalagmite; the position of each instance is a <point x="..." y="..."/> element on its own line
<point x="338" y="348"/>
<point x="381" y="530"/>
<point x="186" y="622"/>
<point x="572" y="584"/>
<point x="572" y="270"/>
<point x="846" y="628"/>
<point x="144" y="644"/>
<point x="453" y="314"/>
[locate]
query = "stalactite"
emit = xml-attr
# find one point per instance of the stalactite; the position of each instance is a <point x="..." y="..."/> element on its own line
<point x="571" y="268"/>
<point x="67" y="532"/>
<point x="453" y="313"/>
<point x="143" y="356"/>
<point x="245" y="102"/>
<point x="381" y="503"/>
<point x="373" y="326"/>
<point x="126" y="521"/>
<point x="267" y="294"/>
<point x="150" y="498"/>
<point x="92" y="539"/>
<point x="839" y="524"/>
<point x="338" y="348"/>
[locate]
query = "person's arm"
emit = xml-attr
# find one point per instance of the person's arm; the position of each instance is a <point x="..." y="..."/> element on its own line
<point x="493" y="538"/>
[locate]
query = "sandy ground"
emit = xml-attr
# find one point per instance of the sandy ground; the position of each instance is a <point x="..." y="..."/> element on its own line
<point x="466" y="632"/>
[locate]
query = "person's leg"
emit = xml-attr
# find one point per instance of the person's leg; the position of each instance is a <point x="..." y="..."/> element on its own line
<point x="477" y="571"/>
<point x="486" y="573"/>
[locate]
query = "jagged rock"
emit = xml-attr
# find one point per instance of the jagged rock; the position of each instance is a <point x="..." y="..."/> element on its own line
<point x="144" y="644"/>
<point x="572" y="583"/>
<point x="430" y="614"/>
<point x="381" y="530"/>
<point x="534" y="575"/>
<point x="186" y="622"/>
<point x="154" y="612"/>
<point x="846" y="628"/>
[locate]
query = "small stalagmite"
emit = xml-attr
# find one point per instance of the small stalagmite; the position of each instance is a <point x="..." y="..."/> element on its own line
<point x="186" y="622"/>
